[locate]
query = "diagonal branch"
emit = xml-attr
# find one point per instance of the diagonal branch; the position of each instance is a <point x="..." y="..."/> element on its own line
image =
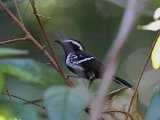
<point x="33" y="40"/>
<point x="7" y="91"/>
<point x="27" y="101"/>
<point x="28" y="35"/>
<point x="34" y="101"/>
<point x="67" y="81"/>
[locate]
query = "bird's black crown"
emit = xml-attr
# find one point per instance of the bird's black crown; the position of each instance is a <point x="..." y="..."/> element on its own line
<point x="71" y="45"/>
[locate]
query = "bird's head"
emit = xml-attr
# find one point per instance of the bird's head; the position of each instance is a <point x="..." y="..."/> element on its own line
<point x="71" y="45"/>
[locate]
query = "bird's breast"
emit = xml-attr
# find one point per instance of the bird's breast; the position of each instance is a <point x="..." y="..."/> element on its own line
<point x="71" y="63"/>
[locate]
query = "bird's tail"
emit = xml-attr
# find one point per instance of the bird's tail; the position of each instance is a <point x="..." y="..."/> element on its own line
<point x="122" y="81"/>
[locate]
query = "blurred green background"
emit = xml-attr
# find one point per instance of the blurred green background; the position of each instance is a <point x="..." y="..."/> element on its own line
<point x="93" y="22"/>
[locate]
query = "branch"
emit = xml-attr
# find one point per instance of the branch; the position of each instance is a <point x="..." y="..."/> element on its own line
<point x="34" y="101"/>
<point x="12" y="41"/>
<point x="117" y="111"/>
<point x="33" y="40"/>
<point x="28" y="35"/>
<point x="132" y="12"/>
<point x="26" y="101"/>
<point x="67" y="81"/>
<point x="7" y="91"/>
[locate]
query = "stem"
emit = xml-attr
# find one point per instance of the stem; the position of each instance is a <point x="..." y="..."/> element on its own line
<point x="67" y="81"/>
<point x="44" y="51"/>
<point x="24" y="100"/>
<point x="116" y="111"/>
<point x="140" y="77"/>
<point x="7" y="91"/>
<point x="33" y="40"/>
<point x="12" y="41"/>
<point x="34" y="101"/>
<point x="28" y="35"/>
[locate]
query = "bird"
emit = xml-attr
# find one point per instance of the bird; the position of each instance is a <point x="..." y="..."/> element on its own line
<point x="83" y="64"/>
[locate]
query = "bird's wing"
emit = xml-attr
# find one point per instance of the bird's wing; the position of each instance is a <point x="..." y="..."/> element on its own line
<point x="92" y="64"/>
<point x="88" y="62"/>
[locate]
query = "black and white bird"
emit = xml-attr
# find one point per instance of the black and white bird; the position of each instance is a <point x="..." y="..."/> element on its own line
<point x="83" y="64"/>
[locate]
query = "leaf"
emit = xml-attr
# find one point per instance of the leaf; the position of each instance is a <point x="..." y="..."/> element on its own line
<point x="118" y="105"/>
<point x="4" y="52"/>
<point x="156" y="15"/>
<point x="153" y="26"/>
<point x="155" y="57"/>
<point x="11" y="110"/>
<point x="153" y="112"/>
<point x="1" y="82"/>
<point x="150" y="80"/>
<point x="30" y="71"/>
<point x="64" y="103"/>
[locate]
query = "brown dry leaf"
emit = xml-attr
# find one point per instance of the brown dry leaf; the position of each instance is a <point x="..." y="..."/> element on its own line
<point x="117" y="103"/>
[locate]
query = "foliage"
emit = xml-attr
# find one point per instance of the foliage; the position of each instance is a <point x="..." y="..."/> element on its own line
<point x="4" y="52"/>
<point x="30" y="71"/>
<point x="64" y="103"/>
<point x="94" y="22"/>
<point x="154" y="26"/>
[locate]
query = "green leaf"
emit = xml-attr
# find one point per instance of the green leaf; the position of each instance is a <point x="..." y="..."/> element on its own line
<point x="30" y="71"/>
<point x="64" y="103"/>
<point x="4" y="52"/>
<point x="11" y="110"/>
<point x="150" y="81"/>
<point x="153" y="112"/>
<point x="1" y="82"/>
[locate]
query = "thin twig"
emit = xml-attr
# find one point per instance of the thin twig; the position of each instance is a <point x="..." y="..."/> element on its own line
<point x="67" y="81"/>
<point x="12" y="41"/>
<point x="18" y="12"/>
<point x="140" y="77"/>
<point x="7" y="91"/>
<point x="24" y="100"/>
<point x="88" y="110"/>
<point x="34" y="101"/>
<point x="117" y="111"/>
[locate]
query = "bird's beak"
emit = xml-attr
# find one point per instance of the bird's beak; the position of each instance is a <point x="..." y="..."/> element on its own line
<point x="57" y="41"/>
